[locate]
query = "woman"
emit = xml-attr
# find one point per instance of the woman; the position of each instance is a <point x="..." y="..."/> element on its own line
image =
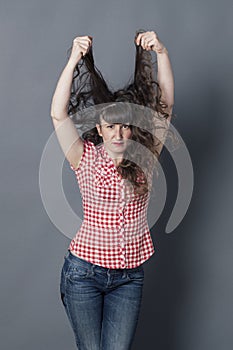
<point x="102" y="276"/>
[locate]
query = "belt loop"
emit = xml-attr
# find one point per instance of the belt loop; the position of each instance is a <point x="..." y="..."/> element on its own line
<point x="67" y="254"/>
<point x="109" y="277"/>
<point x="92" y="270"/>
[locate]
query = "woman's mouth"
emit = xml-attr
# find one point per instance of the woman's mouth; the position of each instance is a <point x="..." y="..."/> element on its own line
<point x="118" y="143"/>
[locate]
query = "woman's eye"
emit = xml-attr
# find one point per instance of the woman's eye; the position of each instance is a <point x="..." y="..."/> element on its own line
<point x="110" y="126"/>
<point x="126" y="126"/>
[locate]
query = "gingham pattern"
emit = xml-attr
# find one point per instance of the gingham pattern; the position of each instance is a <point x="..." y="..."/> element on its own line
<point x="114" y="232"/>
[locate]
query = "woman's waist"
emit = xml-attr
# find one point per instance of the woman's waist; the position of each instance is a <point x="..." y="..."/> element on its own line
<point x="102" y="226"/>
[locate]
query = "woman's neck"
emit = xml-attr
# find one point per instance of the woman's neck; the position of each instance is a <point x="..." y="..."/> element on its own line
<point x="117" y="160"/>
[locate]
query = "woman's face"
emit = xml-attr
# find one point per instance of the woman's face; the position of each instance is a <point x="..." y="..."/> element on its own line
<point x="115" y="136"/>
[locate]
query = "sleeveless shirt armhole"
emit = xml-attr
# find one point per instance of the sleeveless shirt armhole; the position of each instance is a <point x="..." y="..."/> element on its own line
<point x="88" y="148"/>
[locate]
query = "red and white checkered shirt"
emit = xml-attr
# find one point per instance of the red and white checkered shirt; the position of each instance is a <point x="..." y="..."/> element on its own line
<point x="114" y="232"/>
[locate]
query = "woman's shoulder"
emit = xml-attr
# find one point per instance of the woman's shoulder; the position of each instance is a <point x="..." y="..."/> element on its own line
<point x="90" y="149"/>
<point x="88" y="156"/>
<point x="88" y="144"/>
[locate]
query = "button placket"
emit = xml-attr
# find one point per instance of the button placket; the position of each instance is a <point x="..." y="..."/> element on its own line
<point x="121" y="225"/>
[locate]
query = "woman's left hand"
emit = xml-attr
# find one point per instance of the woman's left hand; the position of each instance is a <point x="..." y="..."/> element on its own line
<point x="150" y="41"/>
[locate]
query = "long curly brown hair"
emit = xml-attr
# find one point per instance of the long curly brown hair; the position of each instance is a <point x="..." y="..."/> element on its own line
<point x="138" y="104"/>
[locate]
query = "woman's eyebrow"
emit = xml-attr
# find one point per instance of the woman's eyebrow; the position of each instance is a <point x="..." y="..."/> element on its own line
<point x="106" y="124"/>
<point x="126" y="123"/>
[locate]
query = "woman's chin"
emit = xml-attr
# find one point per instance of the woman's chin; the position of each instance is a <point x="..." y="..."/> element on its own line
<point x="116" y="150"/>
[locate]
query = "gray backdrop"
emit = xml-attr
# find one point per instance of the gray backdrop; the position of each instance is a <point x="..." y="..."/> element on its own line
<point x="188" y="285"/>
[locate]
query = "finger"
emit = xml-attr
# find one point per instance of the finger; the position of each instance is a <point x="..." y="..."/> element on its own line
<point x="142" y="42"/>
<point x="83" y="39"/>
<point x="83" y="48"/>
<point x="150" y="43"/>
<point x="81" y="45"/>
<point x="146" y="37"/>
<point x="151" y="35"/>
<point x="138" y="39"/>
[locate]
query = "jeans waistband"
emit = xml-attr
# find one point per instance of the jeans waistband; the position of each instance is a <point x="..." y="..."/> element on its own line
<point x="89" y="265"/>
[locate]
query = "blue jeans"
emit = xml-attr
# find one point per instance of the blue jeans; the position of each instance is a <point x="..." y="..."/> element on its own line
<point x="102" y="304"/>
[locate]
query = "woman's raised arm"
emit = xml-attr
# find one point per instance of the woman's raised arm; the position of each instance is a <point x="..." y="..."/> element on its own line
<point x="150" y="41"/>
<point x="66" y="131"/>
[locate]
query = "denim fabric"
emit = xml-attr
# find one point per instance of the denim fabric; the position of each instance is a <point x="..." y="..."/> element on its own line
<point x="102" y="304"/>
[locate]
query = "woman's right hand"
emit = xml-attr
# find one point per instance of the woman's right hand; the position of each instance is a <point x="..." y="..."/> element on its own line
<point x="81" y="45"/>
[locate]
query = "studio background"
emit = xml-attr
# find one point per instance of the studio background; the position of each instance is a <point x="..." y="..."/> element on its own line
<point x="188" y="283"/>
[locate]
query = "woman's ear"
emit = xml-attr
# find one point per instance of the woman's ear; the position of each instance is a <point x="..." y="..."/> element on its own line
<point x="98" y="129"/>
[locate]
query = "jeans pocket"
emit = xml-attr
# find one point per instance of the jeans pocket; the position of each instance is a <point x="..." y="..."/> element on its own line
<point x="76" y="273"/>
<point x="137" y="275"/>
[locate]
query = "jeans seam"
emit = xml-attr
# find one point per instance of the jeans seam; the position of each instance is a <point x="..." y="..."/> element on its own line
<point x="64" y="297"/>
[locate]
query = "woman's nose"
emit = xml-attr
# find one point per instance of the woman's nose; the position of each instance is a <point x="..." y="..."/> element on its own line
<point x="118" y="133"/>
